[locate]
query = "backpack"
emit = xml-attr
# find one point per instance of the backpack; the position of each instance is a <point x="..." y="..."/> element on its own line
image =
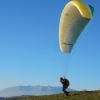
<point x="67" y="83"/>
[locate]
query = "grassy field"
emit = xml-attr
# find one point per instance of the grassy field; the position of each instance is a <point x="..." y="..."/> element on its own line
<point x="81" y="95"/>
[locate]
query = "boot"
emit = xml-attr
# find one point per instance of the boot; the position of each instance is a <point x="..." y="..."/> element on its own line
<point x="67" y="93"/>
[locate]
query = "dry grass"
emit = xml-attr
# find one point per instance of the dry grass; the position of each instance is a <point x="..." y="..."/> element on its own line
<point x="80" y="95"/>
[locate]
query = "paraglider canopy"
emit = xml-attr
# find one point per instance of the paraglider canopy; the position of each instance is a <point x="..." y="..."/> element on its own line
<point x="74" y="18"/>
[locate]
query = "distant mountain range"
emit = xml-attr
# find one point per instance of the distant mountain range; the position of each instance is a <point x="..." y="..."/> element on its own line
<point x="31" y="90"/>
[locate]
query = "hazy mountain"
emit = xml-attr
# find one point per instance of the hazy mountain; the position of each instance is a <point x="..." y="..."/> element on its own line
<point x="30" y="90"/>
<point x="1" y="98"/>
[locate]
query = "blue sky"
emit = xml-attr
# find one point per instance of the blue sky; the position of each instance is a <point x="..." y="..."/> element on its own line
<point x="29" y="48"/>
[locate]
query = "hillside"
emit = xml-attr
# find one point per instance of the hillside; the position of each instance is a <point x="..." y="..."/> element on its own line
<point x="81" y="95"/>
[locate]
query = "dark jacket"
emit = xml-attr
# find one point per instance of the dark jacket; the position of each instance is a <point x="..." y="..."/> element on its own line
<point x="63" y="82"/>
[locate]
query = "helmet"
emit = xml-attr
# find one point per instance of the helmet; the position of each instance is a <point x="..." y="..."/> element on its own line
<point x="61" y="78"/>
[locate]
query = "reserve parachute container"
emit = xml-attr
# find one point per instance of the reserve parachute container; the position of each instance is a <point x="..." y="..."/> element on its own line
<point x="75" y="16"/>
